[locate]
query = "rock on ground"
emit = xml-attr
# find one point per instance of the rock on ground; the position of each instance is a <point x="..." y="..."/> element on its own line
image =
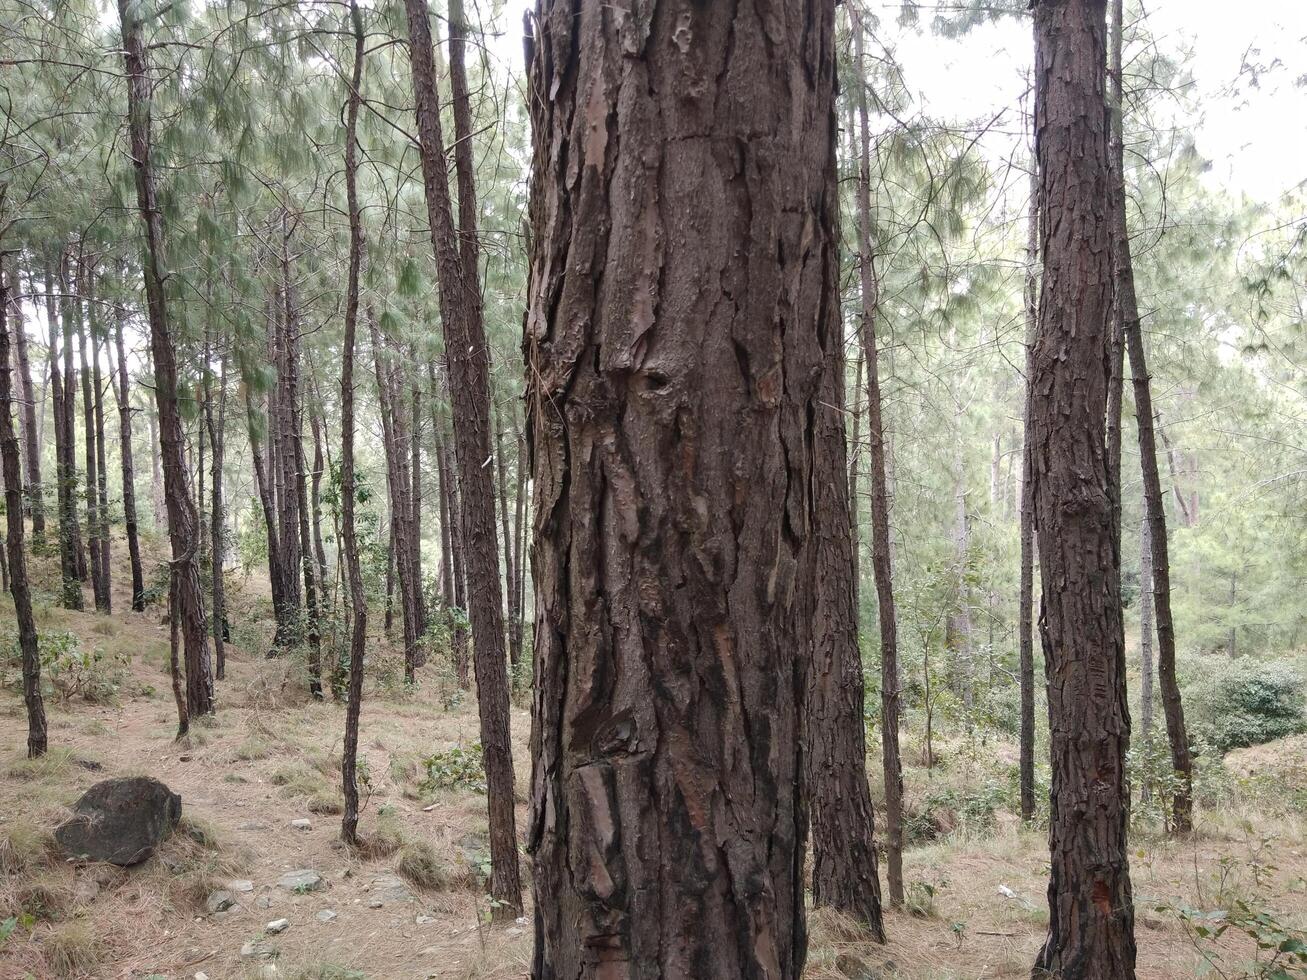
<point x="120" y="821"/>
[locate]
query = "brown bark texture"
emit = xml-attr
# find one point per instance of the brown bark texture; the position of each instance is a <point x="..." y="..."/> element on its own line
<point x="1091" y="912"/>
<point x="680" y="298"/>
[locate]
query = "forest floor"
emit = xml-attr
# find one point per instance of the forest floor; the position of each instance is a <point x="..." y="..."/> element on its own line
<point x="411" y="906"/>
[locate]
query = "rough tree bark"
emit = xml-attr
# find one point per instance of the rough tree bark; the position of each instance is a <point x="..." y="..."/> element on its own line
<point x="1154" y="504"/>
<point x="349" y="541"/>
<point x="101" y="467"/>
<point x="469" y="382"/>
<point x="880" y="541"/>
<point x="681" y="285"/>
<point x="217" y="516"/>
<point x="1091" y="911"/>
<point x="18" y="585"/>
<point x="123" y="393"/>
<point x="187" y="591"/>
<point x="71" y="594"/>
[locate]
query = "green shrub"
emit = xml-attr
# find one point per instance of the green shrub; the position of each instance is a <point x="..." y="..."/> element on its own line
<point x="1258" y="703"/>
<point x="458" y="768"/>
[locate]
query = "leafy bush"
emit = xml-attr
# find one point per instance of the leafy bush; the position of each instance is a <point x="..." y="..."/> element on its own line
<point x="458" y="768"/>
<point x="1260" y="702"/>
<point x="73" y="672"/>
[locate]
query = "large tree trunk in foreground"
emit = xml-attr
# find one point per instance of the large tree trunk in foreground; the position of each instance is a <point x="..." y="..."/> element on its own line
<point x="182" y="519"/>
<point x="123" y="392"/>
<point x="18" y="586"/>
<point x="880" y="542"/>
<point x="469" y="383"/>
<point x="1091" y="911"/>
<point x="1154" y="503"/>
<point x="682" y="286"/>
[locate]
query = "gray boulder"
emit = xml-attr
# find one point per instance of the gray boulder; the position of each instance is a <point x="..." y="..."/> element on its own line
<point x="120" y="821"/>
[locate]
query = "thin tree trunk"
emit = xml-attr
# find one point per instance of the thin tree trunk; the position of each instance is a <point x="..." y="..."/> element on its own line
<point x="182" y="518"/>
<point x="1128" y="308"/>
<point x="1091" y="909"/>
<point x="99" y="588"/>
<point x="1026" y="605"/>
<point x="456" y="593"/>
<point x="319" y="467"/>
<point x="880" y="540"/>
<point x="18" y="585"/>
<point x="217" y="516"/>
<point x="102" y="470"/>
<point x="34" y="500"/>
<point x="415" y="519"/>
<point x="349" y="540"/>
<point x="71" y="596"/>
<point x="682" y="303"/>
<point x="516" y="630"/>
<point x="501" y="472"/>
<point x="282" y="637"/>
<point x="469" y="382"/>
<point x="71" y="309"/>
<point x="123" y="393"/>
<point x="1146" y="667"/>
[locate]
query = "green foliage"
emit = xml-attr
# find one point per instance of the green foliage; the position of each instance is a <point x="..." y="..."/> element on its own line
<point x="1246" y="702"/>
<point x="458" y="768"/>
<point x="73" y="672"/>
<point x="1281" y="950"/>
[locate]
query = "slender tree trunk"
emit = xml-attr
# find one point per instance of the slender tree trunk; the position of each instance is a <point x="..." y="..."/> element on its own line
<point x="319" y="468"/>
<point x="123" y="393"/>
<point x="456" y="592"/>
<point x="217" y="517"/>
<point x="157" y="508"/>
<point x="844" y="872"/>
<point x="99" y="587"/>
<point x="71" y="589"/>
<point x="18" y="585"/>
<point x="1091" y="909"/>
<point x="469" y="382"/>
<point x="1146" y="668"/>
<point x="349" y="540"/>
<point x="682" y="304"/>
<point x="516" y="631"/>
<point x="501" y="472"/>
<point x="880" y="540"/>
<point x="1128" y="308"/>
<point x="71" y="309"/>
<point x="1026" y="605"/>
<point x="34" y="499"/>
<point x="262" y="479"/>
<point x="182" y="519"/>
<point x="102" y="470"/>
<point x="415" y="519"/>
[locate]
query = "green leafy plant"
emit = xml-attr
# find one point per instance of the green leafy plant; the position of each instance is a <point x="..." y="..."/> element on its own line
<point x="458" y="768"/>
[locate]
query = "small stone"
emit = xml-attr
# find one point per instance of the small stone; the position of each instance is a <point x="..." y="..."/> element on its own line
<point x="241" y="885"/>
<point x="201" y="976"/>
<point x="423" y="920"/>
<point x="253" y="825"/>
<point x="513" y="931"/>
<point x="326" y="915"/>
<point x="303" y="880"/>
<point x="428" y="809"/>
<point x="85" y="890"/>
<point x="219" y="902"/>
<point x="374" y="903"/>
<point x="257" y="951"/>
<point x="277" y="926"/>
<point x="303" y="823"/>
<point x="390" y="889"/>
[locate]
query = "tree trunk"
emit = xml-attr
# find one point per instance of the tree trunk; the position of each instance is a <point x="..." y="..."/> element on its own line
<point x="71" y="312"/>
<point x="1154" y="505"/>
<point x="880" y="541"/>
<point x="1146" y="668"/>
<point x="1091" y="910"/>
<point x="18" y="585"/>
<point x="844" y="873"/>
<point x="456" y="594"/>
<point x="34" y="501"/>
<point x="516" y="631"/>
<point x="501" y="472"/>
<point x="123" y="393"/>
<point x="1026" y="604"/>
<point x="682" y="302"/>
<point x="262" y="479"/>
<point x="349" y="539"/>
<point x="101" y="470"/>
<point x="469" y="382"/>
<point x="99" y="587"/>
<point x="71" y="591"/>
<point x="188" y="593"/>
<point x="217" y="516"/>
<point x="319" y="468"/>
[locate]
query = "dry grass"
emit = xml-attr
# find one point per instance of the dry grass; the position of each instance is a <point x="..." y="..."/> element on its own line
<point x="70" y="949"/>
